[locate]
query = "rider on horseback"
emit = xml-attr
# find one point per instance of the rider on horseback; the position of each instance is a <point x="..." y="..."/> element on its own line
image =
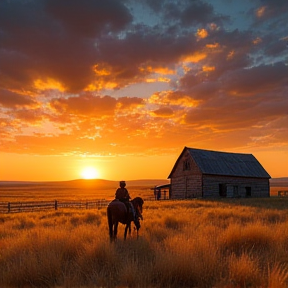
<point x="122" y="195"/>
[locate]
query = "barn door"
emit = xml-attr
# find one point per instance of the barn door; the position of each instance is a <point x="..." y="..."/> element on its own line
<point x="222" y="190"/>
<point x="191" y="189"/>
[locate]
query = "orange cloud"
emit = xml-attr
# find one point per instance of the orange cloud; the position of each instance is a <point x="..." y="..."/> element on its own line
<point x="213" y="46"/>
<point x="195" y="57"/>
<point x="202" y="33"/>
<point x="257" y="41"/>
<point x="100" y="84"/>
<point x="208" y="68"/>
<point x="164" y="71"/>
<point x="173" y="98"/>
<point x="158" y="70"/>
<point x="47" y="84"/>
<point x="159" y="79"/>
<point x="260" y="12"/>
<point x="101" y="71"/>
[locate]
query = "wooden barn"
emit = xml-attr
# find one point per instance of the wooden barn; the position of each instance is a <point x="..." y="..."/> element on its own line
<point x="204" y="173"/>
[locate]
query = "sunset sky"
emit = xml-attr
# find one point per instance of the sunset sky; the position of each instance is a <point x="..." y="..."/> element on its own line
<point x="122" y="86"/>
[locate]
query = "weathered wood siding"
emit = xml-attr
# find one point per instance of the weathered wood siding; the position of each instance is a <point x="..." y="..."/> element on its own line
<point x="236" y="186"/>
<point x="186" y="181"/>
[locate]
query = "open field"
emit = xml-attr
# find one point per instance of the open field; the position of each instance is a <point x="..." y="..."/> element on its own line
<point x="73" y="190"/>
<point x="192" y="243"/>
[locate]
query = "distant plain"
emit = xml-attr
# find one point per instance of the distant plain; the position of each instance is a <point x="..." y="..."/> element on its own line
<point x="92" y="189"/>
<point x="74" y="189"/>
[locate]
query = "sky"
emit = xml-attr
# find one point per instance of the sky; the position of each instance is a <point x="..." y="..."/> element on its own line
<point x="122" y="86"/>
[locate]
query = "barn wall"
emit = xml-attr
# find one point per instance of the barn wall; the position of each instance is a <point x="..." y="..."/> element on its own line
<point x="186" y="180"/>
<point x="235" y="186"/>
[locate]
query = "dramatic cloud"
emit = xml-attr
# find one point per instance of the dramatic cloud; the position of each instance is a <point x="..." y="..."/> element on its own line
<point x="119" y="77"/>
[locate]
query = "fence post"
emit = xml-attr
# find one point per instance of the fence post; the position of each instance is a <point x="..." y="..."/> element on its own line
<point x="9" y="207"/>
<point x="56" y="205"/>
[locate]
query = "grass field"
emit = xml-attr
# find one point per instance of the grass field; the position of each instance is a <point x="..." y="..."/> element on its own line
<point x="190" y="243"/>
<point x="195" y="243"/>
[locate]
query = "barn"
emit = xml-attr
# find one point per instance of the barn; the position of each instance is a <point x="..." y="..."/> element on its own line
<point x="205" y="173"/>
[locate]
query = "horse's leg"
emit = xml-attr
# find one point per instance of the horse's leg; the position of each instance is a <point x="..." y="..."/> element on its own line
<point x="126" y="229"/>
<point x="110" y="224"/>
<point x="115" y="230"/>
<point x="111" y="232"/>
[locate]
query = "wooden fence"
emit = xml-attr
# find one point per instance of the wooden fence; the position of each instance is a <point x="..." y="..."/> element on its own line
<point x="13" y="207"/>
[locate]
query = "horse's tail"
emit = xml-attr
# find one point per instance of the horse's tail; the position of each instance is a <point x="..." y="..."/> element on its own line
<point x="110" y="221"/>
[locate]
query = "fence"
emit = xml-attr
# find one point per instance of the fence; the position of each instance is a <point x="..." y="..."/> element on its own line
<point x="13" y="207"/>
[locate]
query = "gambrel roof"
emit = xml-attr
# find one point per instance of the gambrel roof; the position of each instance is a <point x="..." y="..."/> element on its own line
<point x="225" y="164"/>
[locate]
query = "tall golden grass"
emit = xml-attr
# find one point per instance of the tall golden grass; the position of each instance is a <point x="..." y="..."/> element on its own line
<point x="195" y="243"/>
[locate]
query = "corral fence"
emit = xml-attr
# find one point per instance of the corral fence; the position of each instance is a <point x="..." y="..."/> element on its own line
<point x="30" y="206"/>
<point x="13" y="207"/>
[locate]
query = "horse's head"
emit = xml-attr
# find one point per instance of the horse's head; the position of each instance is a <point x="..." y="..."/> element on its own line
<point x="138" y="206"/>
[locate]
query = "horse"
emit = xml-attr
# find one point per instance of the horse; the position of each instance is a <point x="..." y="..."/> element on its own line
<point x="117" y="212"/>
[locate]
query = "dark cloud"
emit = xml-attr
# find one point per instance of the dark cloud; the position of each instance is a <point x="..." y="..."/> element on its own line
<point x="204" y="90"/>
<point x="232" y="113"/>
<point x="163" y="112"/>
<point x="130" y="102"/>
<point x="126" y="60"/>
<point x="10" y="99"/>
<point x="31" y="116"/>
<point x="186" y="13"/>
<point x="55" y="45"/>
<point x="86" y="104"/>
<point x="258" y="79"/>
<point x="91" y="17"/>
<point x="199" y="12"/>
<point x="61" y="41"/>
<point x="156" y="6"/>
<point x="40" y="48"/>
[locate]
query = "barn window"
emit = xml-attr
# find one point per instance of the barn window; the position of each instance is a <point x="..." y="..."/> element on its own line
<point x="186" y="165"/>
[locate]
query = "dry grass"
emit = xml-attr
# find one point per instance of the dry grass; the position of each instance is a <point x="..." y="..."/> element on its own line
<point x="196" y="243"/>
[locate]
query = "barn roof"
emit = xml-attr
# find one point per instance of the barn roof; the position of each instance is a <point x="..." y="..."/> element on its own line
<point x="226" y="164"/>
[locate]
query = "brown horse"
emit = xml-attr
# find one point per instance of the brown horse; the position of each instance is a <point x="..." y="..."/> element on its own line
<point x="117" y="212"/>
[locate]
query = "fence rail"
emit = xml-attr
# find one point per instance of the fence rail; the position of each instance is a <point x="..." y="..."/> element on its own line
<point x="13" y="207"/>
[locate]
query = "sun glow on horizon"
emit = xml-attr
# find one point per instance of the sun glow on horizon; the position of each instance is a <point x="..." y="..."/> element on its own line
<point x="89" y="173"/>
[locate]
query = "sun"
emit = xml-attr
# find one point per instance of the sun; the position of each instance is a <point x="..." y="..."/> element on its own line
<point x="89" y="173"/>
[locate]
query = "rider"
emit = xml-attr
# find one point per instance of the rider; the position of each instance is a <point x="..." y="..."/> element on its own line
<point x="122" y="195"/>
